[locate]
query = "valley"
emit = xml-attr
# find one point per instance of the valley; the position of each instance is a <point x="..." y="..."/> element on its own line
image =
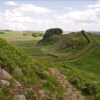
<point x="75" y="55"/>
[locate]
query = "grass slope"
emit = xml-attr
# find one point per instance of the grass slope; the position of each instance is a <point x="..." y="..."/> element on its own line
<point x="83" y="72"/>
<point x="64" y="44"/>
<point x="34" y="71"/>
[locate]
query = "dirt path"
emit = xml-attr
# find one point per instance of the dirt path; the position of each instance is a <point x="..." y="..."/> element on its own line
<point x="70" y="92"/>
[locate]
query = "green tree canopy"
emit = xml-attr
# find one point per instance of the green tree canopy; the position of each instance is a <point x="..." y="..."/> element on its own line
<point x="52" y="31"/>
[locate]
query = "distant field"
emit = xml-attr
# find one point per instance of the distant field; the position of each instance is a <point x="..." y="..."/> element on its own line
<point x="26" y="43"/>
<point x="18" y="36"/>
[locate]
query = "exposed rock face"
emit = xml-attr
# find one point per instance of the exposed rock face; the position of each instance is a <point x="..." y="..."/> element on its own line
<point x="42" y="93"/>
<point x="17" y="83"/>
<point x="18" y="71"/>
<point x="4" y="83"/>
<point x="19" y="97"/>
<point x="4" y="75"/>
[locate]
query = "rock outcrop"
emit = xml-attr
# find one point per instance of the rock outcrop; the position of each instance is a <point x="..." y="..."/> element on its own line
<point x="5" y="81"/>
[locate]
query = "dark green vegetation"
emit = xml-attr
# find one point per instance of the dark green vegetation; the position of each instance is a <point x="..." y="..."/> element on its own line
<point x="48" y="35"/>
<point x="78" y="53"/>
<point x="37" y="34"/>
<point x="73" y="44"/>
<point x="50" y="32"/>
<point x="33" y="33"/>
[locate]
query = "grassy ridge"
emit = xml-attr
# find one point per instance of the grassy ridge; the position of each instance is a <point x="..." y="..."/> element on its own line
<point x="65" y="45"/>
<point x="34" y="71"/>
<point x="74" y="54"/>
<point x="80" y="72"/>
<point x="82" y="51"/>
<point x="87" y="63"/>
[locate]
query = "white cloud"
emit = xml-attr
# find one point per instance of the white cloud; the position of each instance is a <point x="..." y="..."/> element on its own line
<point x="11" y="3"/>
<point x="87" y="19"/>
<point x="33" y="9"/>
<point x="12" y="13"/>
<point x="21" y="17"/>
<point x="89" y="15"/>
<point x="32" y="17"/>
<point x="97" y="5"/>
<point x="68" y="8"/>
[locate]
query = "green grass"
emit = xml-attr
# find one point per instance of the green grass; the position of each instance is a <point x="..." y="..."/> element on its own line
<point x="35" y="71"/>
<point x="34" y="51"/>
<point x="17" y="36"/>
<point x="85" y="69"/>
<point x="26" y="43"/>
<point x="64" y="45"/>
<point x="90" y="63"/>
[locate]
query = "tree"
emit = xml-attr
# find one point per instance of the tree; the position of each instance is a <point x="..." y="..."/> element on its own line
<point x="52" y="31"/>
<point x="83" y="31"/>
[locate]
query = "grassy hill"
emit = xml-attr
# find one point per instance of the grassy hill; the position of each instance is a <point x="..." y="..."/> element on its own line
<point x="66" y="45"/>
<point x="21" y="51"/>
<point x="84" y="57"/>
<point x="34" y="72"/>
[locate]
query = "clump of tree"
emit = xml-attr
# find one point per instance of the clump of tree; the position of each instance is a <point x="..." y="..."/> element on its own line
<point x="52" y="31"/>
<point x="83" y="31"/>
<point x="37" y="34"/>
<point x="47" y="38"/>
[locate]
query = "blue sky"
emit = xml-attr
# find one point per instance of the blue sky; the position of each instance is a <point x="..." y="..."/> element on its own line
<point x="70" y="15"/>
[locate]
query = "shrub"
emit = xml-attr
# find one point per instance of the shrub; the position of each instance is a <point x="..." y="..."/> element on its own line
<point x="97" y="97"/>
<point x="25" y="34"/>
<point x="75" y="81"/>
<point x="36" y="34"/>
<point x="89" y="89"/>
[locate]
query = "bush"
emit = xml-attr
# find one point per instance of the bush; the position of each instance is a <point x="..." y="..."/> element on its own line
<point x="37" y="34"/>
<point x="25" y="34"/>
<point x="75" y="81"/>
<point x="89" y="89"/>
<point x="97" y="97"/>
<point x="52" y="31"/>
<point x="34" y="35"/>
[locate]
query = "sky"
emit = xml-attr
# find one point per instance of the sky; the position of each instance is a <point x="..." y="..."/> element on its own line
<point x="39" y="15"/>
